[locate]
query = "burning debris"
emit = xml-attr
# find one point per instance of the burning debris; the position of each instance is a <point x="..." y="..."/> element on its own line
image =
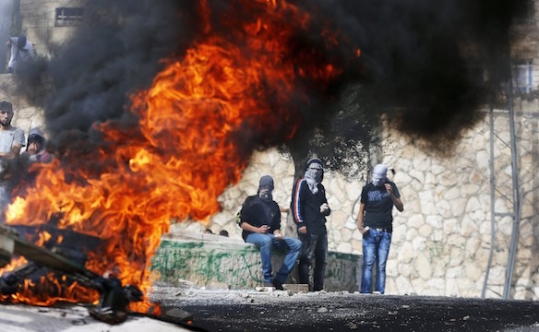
<point x="57" y="272"/>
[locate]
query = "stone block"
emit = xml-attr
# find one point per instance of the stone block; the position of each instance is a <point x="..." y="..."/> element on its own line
<point x="237" y="265"/>
<point x="296" y="288"/>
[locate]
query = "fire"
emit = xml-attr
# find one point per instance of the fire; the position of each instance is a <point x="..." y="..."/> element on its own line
<point x="197" y="125"/>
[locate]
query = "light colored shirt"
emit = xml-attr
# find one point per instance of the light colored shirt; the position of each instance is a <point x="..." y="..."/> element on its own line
<point x="9" y="137"/>
<point x="20" y="55"/>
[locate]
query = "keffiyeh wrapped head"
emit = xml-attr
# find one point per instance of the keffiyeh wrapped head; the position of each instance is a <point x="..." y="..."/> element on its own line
<point x="379" y="175"/>
<point x="314" y="174"/>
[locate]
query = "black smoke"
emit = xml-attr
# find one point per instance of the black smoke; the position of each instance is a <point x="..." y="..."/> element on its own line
<point x="429" y="66"/>
<point x="419" y="60"/>
<point x="115" y="52"/>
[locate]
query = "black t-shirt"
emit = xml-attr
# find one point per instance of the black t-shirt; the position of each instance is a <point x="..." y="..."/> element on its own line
<point x="257" y="212"/>
<point x="378" y="205"/>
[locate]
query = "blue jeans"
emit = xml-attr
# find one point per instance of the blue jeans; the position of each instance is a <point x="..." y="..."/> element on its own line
<point x="375" y="247"/>
<point x="314" y="246"/>
<point x="265" y="243"/>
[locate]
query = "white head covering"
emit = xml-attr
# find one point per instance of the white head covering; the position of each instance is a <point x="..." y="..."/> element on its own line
<point x="379" y="174"/>
<point x="314" y="174"/>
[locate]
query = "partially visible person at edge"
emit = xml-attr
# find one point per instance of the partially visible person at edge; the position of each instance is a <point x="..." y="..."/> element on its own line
<point x="260" y="220"/>
<point x="375" y="222"/>
<point x="35" y="147"/>
<point x="310" y="209"/>
<point x="11" y="138"/>
<point x="21" y="50"/>
<point x="11" y="143"/>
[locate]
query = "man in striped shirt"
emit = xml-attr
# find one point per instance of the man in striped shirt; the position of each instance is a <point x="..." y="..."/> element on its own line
<point x="310" y="209"/>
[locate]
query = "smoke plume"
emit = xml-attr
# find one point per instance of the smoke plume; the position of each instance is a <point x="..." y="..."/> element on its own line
<point x="420" y="60"/>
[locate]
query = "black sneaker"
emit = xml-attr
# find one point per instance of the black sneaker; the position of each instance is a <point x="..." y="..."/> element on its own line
<point x="277" y="285"/>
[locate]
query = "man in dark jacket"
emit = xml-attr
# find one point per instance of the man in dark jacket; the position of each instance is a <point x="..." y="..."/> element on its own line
<point x="310" y="208"/>
<point x="260" y="220"/>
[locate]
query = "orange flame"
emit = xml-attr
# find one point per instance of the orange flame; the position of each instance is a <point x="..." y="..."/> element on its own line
<point x="185" y="153"/>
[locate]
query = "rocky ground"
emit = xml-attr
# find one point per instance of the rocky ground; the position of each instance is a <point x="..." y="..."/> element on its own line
<point x="238" y="311"/>
<point x="221" y="310"/>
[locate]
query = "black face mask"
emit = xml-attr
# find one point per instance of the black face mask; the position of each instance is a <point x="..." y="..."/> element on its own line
<point x="265" y="194"/>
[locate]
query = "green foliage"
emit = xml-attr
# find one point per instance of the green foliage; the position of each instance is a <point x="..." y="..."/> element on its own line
<point x="342" y="136"/>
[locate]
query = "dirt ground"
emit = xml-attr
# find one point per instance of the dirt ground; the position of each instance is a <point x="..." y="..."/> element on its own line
<point x="250" y="310"/>
<point x="238" y="311"/>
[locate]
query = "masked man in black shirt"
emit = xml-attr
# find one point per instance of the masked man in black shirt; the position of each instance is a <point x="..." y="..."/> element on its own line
<point x="260" y="220"/>
<point x="375" y="222"/>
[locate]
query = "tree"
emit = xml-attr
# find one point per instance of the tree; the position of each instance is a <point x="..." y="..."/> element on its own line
<point x="342" y="138"/>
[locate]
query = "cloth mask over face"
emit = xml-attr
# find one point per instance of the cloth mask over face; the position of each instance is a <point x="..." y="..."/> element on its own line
<point x="265" y="194"/>
<point x="314" y="175"/>
<point x="379" y="175"/>
<point x="265" y="188"/>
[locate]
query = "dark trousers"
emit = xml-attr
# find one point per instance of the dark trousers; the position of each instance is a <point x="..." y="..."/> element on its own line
<point x="313" y="246"/>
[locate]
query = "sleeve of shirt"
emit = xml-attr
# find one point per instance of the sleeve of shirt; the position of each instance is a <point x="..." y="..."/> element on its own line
<point x="276" y="222"/>
<point x="18" y="137"/>
<point x="364" y="195"/>
<point x="244" y="213"/>
<point x="328" y="212"/>
<point x="296" y="203"/>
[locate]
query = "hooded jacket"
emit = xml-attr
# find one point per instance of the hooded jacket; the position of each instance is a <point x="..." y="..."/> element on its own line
<point x="42" y="155"/>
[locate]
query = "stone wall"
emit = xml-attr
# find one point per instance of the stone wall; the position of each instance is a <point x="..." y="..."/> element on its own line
<point x="442" y="241"/>
<point x="216" y="261"/>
